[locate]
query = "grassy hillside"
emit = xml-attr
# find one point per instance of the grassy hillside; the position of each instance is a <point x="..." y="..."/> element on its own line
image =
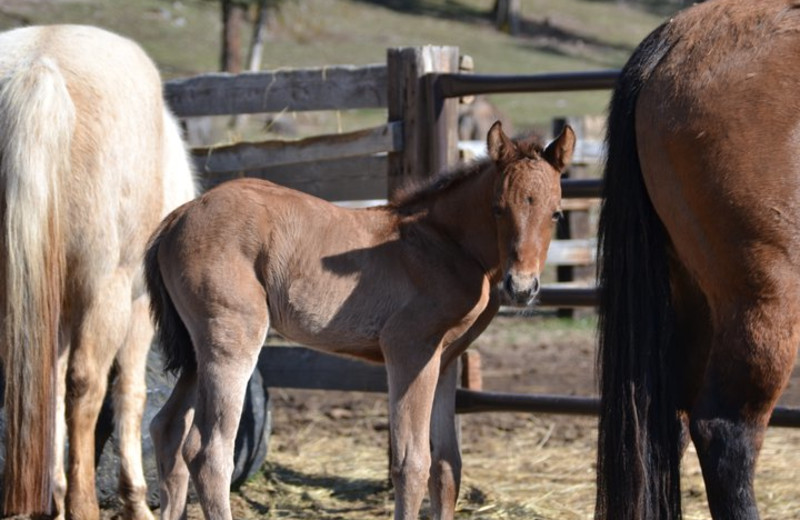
<point x="183" y="37"/>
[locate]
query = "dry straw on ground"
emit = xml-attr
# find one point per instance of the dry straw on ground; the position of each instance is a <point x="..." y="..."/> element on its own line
<point x="328" y="452"/>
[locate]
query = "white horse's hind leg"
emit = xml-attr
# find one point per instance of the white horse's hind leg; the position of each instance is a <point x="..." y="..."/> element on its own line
<point x="96" y="341"/>
<point x="59" y="472"/>
<point x="445" y="479"/>
<point x="130" y="395"/>
<point x="168" y="431"/>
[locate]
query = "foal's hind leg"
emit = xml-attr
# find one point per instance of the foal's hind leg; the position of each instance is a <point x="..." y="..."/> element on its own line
<point x="445" y="478"/>
<point x="130" y="395"/>
<point x="751" y="359"/>
<point x="227" y="350"/>
<point x="168" y="431"/>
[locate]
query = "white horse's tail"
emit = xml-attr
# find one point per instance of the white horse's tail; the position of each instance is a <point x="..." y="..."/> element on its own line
<point x="36" y="123"/>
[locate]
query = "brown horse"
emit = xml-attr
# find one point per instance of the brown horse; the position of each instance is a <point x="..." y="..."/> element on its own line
<point x="410" y="284"/>
<point x="700" y="265"/>
<point x="90" y="161"/>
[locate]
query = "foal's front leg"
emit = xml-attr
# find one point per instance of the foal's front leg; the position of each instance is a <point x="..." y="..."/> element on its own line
<point x="445" y="479"/>
<point x="413" y="371"/>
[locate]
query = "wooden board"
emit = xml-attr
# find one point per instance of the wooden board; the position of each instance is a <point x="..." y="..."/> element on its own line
<point x="324" y="88"/>
<point x="575" y="251"/>
<point x="350" y="179"/>
<point x="247" y="156"/>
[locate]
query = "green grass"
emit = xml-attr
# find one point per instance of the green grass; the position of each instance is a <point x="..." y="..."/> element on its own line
<point x="183" y="38"/>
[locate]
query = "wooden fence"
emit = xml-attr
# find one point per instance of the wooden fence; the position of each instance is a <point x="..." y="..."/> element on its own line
<point x="419" y="87"/>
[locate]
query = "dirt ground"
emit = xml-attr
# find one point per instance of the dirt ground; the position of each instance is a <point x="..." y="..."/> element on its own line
<point x="328" y="450"/>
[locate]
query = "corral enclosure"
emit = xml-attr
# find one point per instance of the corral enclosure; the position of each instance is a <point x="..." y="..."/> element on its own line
<point x="530" y="491"/>
<point x="327" y="455"/>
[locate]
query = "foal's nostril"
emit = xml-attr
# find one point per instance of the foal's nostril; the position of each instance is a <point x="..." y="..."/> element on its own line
<point x="508" y="284"/>
<point x="535" y="285"/>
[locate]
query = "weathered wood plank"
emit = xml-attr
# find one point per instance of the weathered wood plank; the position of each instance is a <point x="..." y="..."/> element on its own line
<point x="245" y="156"/>
<point x="576" y="251"/>
<point x="350" y="179"/>
<point x="323" y="88"/>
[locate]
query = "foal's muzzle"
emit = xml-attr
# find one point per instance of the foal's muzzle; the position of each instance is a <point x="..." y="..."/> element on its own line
<point x="521" y="290"/>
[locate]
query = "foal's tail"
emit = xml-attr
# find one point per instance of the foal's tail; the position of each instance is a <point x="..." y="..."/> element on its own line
<point x="36" y="121"/>
<point x="174" y="339"/>
<point x="638" y="452"/>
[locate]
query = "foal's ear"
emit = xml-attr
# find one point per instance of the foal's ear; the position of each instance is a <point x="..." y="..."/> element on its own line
<point x="501" y="148"/>
<point x="559" y="152"/>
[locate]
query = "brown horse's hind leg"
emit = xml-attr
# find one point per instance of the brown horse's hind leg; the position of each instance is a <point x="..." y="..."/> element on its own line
<point x="752" y="355"/>
<point x="445" y="478"/>
<point x="692" y="343"/>
<point x="168" y="431"/>
<point x="130" y="395"/>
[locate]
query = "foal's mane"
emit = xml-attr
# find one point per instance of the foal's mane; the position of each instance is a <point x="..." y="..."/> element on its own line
<point x="423" y="189"/>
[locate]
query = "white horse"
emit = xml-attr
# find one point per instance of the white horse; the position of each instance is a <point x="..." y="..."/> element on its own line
<point x="90" y="161"/>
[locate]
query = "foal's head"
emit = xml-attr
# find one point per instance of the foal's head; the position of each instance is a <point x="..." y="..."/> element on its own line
<point x="526" y="204"/>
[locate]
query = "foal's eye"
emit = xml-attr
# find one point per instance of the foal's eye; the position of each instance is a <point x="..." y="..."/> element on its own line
<point x="558" y="215"/>
<point x="497" y="210"/>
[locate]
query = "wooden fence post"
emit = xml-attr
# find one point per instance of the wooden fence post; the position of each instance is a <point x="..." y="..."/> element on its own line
<point x="430" y="121"/>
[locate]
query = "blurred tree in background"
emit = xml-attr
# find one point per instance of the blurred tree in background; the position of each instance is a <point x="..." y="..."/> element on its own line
<point x="236" y="16"/>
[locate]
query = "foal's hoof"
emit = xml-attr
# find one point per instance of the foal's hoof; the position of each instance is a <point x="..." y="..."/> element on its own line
<point x="138" y="511"/>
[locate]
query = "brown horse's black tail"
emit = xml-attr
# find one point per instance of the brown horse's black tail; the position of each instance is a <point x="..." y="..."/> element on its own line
<point x="638" y="446"/>
<point x="174" y="339"/>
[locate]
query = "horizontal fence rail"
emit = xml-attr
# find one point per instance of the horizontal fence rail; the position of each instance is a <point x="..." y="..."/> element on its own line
<point x="301" y="367"/>
<point x="581" y="188"/>
<point x="323" y="88"/>
<point x="560" y="296"/>
<point x="247" y="156"/>
<point x="470" y="401"/>
<point x="456" y="85"/>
